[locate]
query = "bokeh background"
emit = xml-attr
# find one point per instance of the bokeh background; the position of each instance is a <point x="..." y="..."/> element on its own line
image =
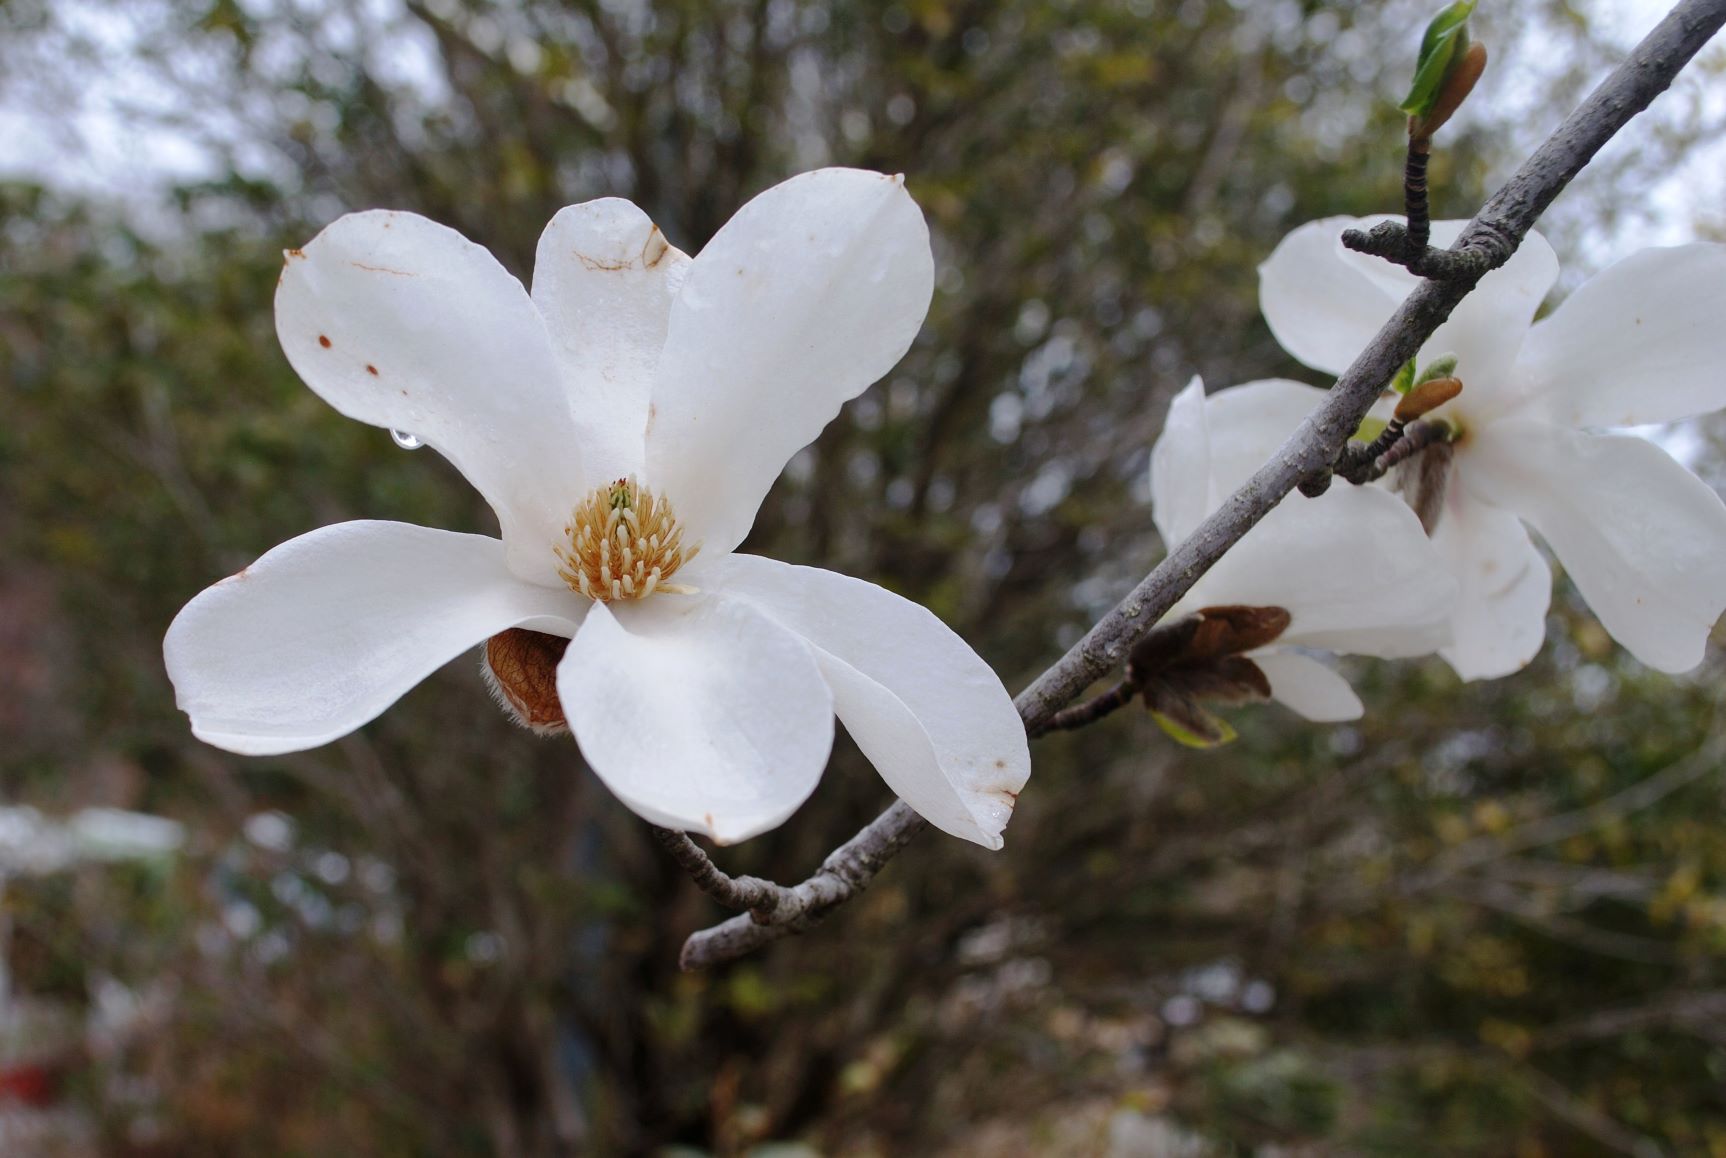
<point x="1488" y="919"/>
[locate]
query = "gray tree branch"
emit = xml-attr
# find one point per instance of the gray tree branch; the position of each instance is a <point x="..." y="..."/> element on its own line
<point x="1485" y="244"/>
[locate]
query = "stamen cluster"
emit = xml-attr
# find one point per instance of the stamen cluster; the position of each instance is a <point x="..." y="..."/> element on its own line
<point x="624" y="543"/>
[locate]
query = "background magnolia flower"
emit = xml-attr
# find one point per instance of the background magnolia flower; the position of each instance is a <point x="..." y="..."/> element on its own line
<point x="1352" y="568"/>
<point x="1643" y="342"/>
<point x="625" y="421"/>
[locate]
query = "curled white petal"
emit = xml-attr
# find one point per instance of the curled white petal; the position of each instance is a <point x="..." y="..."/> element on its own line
<point x="1325" y="303"/>
<point x="801" y="301"/>
<point x="1641" y="342"/>
<point x="1503" y="587"/>
<point x="604" y="279"/>
<point x="327" y="630"/>
<point x="1352" y="567"/>
<point x="1249" y="423"/>
<point x="1309" y="688"/>
<point x="1643" y="538"/>
<point x="927" y="711"/>
<point x="405" y="324"/>
<point x="699" y="713"/>
<point x="1181" y="467"/>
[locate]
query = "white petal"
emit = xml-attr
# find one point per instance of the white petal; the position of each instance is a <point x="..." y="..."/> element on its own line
<point x="1181" y="467"/>
<point x="1352" y="567"/>
<point x="604" y="280"/>
<point x="812" y="292"/>
<point x="927" y="711"/>
<point x="1249" y="423"/>
<point x="699" y="713"/>
<point x="1211" y="444"/>
<point x="1642" y="342"/>
<point x="1309" y="688"/>
<point x="1487" y="329"/>
<point x="1324" y="303"/>
<point x="326" y="631"/>
<point x="402" y="323"/>
<point x="1644" y="539"/>
<point x="1504" y="587"/>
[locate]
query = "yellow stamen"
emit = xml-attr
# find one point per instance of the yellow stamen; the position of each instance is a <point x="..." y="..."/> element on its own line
<point x="624" y="543"/>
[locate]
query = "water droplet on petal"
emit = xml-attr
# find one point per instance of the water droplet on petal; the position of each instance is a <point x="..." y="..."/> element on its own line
<point x="407" y="441"/>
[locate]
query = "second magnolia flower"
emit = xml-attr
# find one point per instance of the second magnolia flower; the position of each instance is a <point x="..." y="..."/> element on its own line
<point x="1643" y="342"/>
<point x="1350" y="572"/>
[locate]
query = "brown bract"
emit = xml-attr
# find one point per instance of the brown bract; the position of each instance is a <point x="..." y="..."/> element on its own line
<point x="521" y="669"/>
<point x="1200" y="659"/>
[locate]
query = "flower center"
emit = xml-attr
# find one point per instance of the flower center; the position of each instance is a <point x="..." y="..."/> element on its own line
<point x="624" y="543"/>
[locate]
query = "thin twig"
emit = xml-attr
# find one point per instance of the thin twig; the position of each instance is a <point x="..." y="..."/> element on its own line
<point x="1409" y="441"/>
<point x="1089" y="712"/>
<point x="1414" y="192"/>
<point x="745" y="893"/>
<point x="1486" y="243"/>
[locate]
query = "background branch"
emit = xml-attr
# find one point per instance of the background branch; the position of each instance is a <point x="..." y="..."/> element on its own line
<point x="1486" y="243"/>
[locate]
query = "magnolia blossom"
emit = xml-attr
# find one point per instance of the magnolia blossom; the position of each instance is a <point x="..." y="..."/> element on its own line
<point x="1643" y="342"/>
<point x="1352" y="567"/>
<point x="624" y="421"/>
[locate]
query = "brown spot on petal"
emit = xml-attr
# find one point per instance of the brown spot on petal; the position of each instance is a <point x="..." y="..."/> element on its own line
<point x="299" y="253"/>
<point x="521" y="669"/>
<point x="324" y="341"/>
<point x="655" y="248"/>
<point x="380" y="269"/>
<point x="608" y="265"/>
<point x="371" y="369"/>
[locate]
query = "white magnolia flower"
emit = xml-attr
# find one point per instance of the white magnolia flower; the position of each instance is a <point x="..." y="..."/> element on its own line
<point x="625" y="421"/>
<point x="1352" y="568"/>
<point x="1643" y="342"/>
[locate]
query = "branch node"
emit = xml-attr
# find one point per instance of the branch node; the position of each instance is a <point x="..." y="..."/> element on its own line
<point x="1466" y="264"/>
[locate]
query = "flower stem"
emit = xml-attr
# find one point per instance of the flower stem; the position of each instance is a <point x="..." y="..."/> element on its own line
<point x="1414" y="192"/>
<point x="751" y="894"/>
<point x="1092" y="710"/>
<point x="1410" y="441"/>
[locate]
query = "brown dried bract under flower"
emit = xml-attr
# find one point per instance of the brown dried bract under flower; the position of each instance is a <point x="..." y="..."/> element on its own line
<point x="1422" y="482"/>
<point x="1197" y="660"/>
<point x="1205" y="637"/>
<point x="624" y="543"/>
<point x="521" y="669"/>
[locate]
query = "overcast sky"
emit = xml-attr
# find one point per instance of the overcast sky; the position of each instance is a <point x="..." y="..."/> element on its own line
<point x="79" y="135"/>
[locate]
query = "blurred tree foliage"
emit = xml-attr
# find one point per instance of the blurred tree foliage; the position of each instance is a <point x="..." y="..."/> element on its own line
<point x="1490" y="919"/>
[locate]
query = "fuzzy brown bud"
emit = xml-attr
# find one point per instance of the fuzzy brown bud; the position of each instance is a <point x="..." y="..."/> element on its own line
<point x="521" y="669"/>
